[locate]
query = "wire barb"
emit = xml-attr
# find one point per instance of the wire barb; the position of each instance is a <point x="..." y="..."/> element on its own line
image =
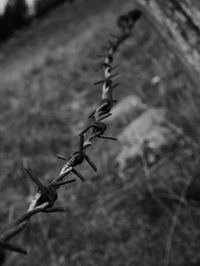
<point x="46" y="196"/>
<point x="106" y="79"/>
<point x="48" y="193"/>
<point x="13" y="247"/>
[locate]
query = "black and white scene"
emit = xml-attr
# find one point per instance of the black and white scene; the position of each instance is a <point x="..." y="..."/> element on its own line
<point x="99" y="133"/>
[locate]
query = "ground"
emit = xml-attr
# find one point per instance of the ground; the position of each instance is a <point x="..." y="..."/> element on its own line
<point x="47" y="92"/>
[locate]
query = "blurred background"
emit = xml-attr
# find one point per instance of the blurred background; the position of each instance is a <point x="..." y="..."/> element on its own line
<point x="142" y="206"/>
<point x="14" y="14"/>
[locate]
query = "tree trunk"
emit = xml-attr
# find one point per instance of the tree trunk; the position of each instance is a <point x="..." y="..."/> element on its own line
<point x="178" y="22"/>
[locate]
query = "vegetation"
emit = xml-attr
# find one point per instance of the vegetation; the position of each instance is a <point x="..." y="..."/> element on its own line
<point x="42" y="7"/>
<point x="16" y="14"/>
<point x="46" y="95"/>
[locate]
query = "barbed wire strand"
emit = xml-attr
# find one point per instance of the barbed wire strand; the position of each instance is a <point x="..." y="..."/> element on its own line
<point x="46" y="196"/>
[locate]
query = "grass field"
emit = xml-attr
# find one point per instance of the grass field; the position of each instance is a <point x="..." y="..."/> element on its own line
<point x="47" y="75"/>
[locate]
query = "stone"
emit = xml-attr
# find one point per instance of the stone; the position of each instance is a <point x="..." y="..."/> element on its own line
<point x="149" y="129"/>
<point x="126" y="110"/>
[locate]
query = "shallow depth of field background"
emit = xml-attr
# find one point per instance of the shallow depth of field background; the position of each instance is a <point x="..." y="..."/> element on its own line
<point x="46" y="94"/>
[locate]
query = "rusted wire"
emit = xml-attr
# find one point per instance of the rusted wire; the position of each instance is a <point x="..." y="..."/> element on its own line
<point x="46" y="196"/>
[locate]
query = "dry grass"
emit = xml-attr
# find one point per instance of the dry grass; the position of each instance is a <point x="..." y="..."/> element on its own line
<point x="48" y="93"/>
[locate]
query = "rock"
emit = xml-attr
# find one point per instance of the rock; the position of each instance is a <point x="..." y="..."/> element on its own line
<point x="126" y="110"/>
<point x="149" y="133"/>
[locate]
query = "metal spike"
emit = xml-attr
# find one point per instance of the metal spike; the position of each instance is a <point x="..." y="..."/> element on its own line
<point x="115" y="85"/>
<point x="102" y="65"/>
<point x="106" y="79"/>
<point x="90" y="163"/>
<point x="78" y="174"/>
<point x="61" y="183"/>
<point x="61" y="157"/>
<point x="81" y="144"/>
<point x="92" y="114"/>
<point x="55" y="209"/>
<point x="13" y="247"/>
<point x="34" y="179"/>
<point x="16" y="229"/>
<point x="105" y="137"/>
<point x="105" y="116"/>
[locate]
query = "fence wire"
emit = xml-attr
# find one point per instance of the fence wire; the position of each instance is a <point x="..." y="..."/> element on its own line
<point x="45" y="198"/>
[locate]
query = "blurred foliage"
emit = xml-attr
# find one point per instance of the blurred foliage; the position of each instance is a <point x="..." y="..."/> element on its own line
<point x="46" y="93"/>
<point x="16" y="14"/>
<point x="14" y="17"/>
<point x="42" y="7"/>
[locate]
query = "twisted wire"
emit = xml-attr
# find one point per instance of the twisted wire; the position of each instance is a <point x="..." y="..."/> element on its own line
<point x="46" y="196"/>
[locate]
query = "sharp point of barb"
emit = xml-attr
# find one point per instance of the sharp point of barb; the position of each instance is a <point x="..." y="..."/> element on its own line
<point x="55" y="209"/>
<point x="61" y="157"/>
<point x="78" y="175"/>
<point x="13" y="247"/>
<point x="46" y="196"/>
<point x="61" y="183"/>
<point x="106" y="79"/>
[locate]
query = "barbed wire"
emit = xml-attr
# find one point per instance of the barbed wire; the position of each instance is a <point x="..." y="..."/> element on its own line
<point x="46" y="196"/>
